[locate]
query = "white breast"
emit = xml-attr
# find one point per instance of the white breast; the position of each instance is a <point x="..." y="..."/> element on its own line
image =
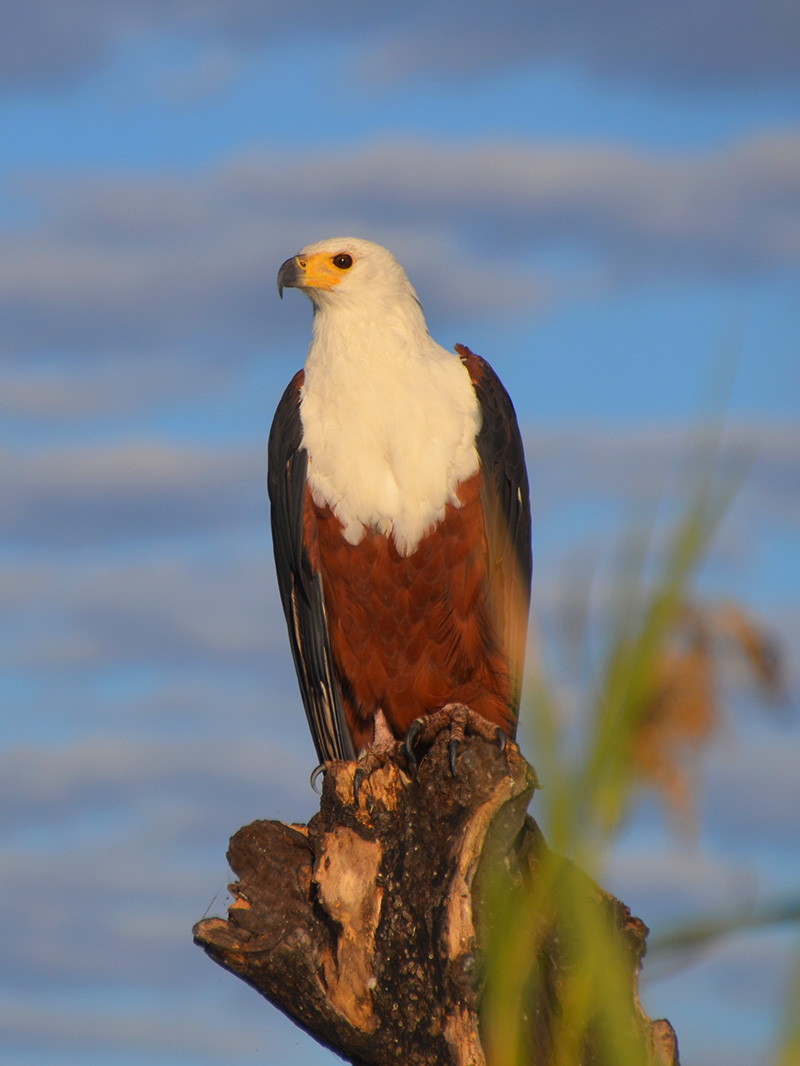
<point x="390" y="420"/>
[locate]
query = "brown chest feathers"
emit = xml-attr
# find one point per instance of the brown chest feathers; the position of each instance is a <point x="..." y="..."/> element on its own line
<point x="411" y="634"/>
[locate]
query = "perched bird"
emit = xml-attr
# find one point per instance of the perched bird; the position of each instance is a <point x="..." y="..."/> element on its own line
<point x="400" y="516"/>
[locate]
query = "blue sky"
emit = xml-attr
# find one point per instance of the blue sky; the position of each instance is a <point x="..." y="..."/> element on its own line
<point x="604" y="203"/>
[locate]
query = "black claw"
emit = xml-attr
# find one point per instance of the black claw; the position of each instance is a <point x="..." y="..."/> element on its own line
<point x="502" y="739"/>
<point x="455" y="744"/>
<point x="411" y="736"/>
<point x="315" y="773"/>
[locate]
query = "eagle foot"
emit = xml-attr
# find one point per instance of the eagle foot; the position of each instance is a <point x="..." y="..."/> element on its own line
<point x="460" y="719"/>
<point x="373" y="759"/>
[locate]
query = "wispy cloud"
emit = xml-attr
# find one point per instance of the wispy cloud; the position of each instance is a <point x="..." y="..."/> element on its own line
<point x="652" y="463"/>
<point x="129" y="489"/>
<point x="118" y="846"/>
<point x="159" y="553"/>
<point x="162" y="609"/>
<point x="685" y="44"/>
<point x="107" y="774"/>
<point x="124" y="264"/>
<point x="143" y="487"/>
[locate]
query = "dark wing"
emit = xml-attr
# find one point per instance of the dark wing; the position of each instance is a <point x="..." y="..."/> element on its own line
<point x="507" y="513"/>
<point x="300" y="587"/>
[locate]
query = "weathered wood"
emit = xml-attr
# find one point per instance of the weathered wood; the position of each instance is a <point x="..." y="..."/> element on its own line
<point x="367" y="925"/>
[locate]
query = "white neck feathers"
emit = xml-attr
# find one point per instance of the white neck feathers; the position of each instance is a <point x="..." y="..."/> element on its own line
<point x="389" y="417"/>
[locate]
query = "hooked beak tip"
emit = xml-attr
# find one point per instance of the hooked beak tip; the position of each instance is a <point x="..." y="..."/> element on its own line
<point x="289" y="275"/>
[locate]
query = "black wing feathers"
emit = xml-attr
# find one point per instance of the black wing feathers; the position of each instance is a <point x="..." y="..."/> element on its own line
<point x="506" y="504"/>
<point x="300" y="588"/>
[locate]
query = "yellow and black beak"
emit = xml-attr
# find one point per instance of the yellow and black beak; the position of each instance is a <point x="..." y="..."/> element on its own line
<point x="315" y="271"/>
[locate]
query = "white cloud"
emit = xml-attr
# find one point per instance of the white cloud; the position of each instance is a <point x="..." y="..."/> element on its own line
<point x="649" y="463"/>
<point x="685" y="45"/>
<point x="66" y="782"/>
<point x="58" y="1030"/>
<point x="167" y="607"/>
<point x="67" y="390"/>
<point x="136" y="486"/>
<point x="131" y="488"/>
<point x="123" y="263"/>
<point x="150" y="551"/>
<point x="117" y="848"/>
<point x="699" y="46"/>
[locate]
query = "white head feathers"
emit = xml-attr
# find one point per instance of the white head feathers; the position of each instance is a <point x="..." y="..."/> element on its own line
<point x="389" y="417"/>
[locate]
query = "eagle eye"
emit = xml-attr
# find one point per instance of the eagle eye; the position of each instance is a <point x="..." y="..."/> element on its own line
<point x="343" y="261"/>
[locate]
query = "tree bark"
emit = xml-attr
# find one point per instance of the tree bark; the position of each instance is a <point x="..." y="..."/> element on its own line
<point x="369" y="926"/>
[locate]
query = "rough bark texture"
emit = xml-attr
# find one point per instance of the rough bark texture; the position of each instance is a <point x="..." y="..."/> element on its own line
<point x="365" y="925"/>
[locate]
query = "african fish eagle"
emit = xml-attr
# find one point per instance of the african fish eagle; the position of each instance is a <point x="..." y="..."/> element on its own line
<point x="400" y="514"/>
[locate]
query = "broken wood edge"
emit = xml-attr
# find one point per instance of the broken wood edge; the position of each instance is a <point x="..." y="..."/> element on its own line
<point x="346" y="878"/>
<point x="332" y="881"/>
<point x="460" y="938"/>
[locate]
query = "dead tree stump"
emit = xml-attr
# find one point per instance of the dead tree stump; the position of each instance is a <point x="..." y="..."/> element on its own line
<point x="366" y="925"/>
